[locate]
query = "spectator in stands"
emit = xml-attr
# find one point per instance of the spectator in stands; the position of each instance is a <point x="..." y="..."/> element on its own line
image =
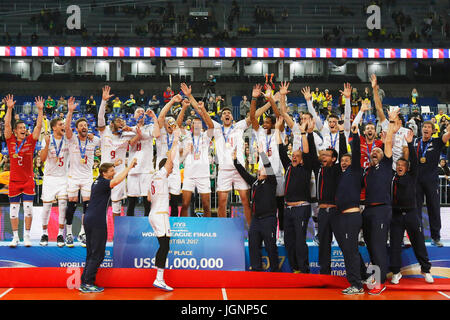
<point x="327" y="103"/>
<point x="317" y="97"/>
<point x="168" y="94"/>
<point x="129" y="105"/>
<point x="61" y="106"/>
<point x="117" y="105"/>
<point x="91" y="106"/>
<point x="38" y="169"/>
<point x="414" y="96"/>
<point x="45" y="127"/>
<point x="50" y="105"/>
<point x="141" y="99"/>
<point x="154" y="104"/>
<point x="443" y="168"/>
<point x="244" y="107"/>
<point x="355" y="101"/>
<point x="441" y="115"/>
<point x="444" y="171"/>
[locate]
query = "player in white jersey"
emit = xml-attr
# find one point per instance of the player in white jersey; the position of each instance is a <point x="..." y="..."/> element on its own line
<point x="196" y="152"/>
<point x="167" y="125"/>
<point x="81" y="159"/>
<point x="115" y="139"/>
<point x="265" y="137"/>
<point x="228" y="137"/>
<point x="158" y="195"/>
<point x="54" y="154"/>
<point x="139" y="178"/>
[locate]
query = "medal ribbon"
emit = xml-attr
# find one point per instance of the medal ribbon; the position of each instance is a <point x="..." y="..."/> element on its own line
<point x="333" y="143"/>
<point x="82" y="150"/>
<point x="20" y="147"/>
<point x="225" y="136"/>
<point x="58" y="150"/>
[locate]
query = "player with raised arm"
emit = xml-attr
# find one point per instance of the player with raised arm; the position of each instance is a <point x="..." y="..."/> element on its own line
<point x="196" y="163"/>
<point x="80" y="178"/>
<point x="164" y="143"/>
<point x="158" y="195"/>
<point x="141" y="148"/>
<point x="21" y="185"/>
<point x="114" y="141"/>
<point x="55" y="155"/>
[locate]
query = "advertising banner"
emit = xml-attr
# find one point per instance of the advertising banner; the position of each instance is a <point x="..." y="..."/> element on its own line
<point x="196" y="243"/>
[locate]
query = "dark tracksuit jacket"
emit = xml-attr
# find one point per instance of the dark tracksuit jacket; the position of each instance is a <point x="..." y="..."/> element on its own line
<point x="264" y="210"/>
<point x="404" y="216"/>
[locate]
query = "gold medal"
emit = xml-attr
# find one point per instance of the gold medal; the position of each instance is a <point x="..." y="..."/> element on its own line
<point x="269" y="152"/>
<point x="228" y="145"/>
<point x="15" y="155"/>
<point x="423" y="160"/>
<point x="196" y="156"/>
<point x="83" y="160"/>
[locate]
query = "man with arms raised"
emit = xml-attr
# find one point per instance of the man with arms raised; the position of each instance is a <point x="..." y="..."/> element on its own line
<point x="81" y="159"/>
<point x="21" y="151"/>
<point x="55" y="153"/>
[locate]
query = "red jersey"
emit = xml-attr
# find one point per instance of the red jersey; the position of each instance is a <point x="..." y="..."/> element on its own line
<point x="22" y="164"/>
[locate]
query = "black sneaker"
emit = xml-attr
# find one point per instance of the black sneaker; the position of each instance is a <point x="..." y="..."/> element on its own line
<point x="60" y="241"/>
<point x="44" y="240"/>
<point x="69" y="241"/>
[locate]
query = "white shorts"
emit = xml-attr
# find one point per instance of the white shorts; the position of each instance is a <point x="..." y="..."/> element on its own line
<point x="119" y="192"/>
<point x="226" y="179"/>
<point x="75" y="185"/>
<point x="280" y="186"/>
<point x="54" y="188"/>
<point x="138" y="184"/>
<point x="203" y="185"/>
<point x="174" y="180"/>
<point x="160" y="223"/>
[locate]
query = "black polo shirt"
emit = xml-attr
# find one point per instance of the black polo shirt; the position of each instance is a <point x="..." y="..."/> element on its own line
<point x="95" y="216"/>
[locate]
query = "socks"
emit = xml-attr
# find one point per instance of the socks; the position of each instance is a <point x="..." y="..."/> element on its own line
<point x="61" y="231"/>
<point x="45" y="231"/>
<point x="27" y="233"/>
<point x="16" y="234"/>
<point x="69" y="228"/>
<point x="160" y="274"/>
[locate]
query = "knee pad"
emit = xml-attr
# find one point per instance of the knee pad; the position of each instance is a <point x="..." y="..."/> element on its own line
<point x="28" y="209"/>
<point x="116" y="207"/>
<point x="46" y="210"/>
<point x="62" y="207"/>
<point x="14" y="210"/>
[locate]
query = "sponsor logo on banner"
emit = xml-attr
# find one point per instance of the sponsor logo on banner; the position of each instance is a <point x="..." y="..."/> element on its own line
<point x="196" y="243"/>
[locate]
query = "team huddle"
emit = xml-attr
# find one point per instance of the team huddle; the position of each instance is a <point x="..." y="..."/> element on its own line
<point x="346" y="180"/>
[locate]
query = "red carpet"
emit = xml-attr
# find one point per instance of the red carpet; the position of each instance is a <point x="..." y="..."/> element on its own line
<point x="142" y="278"/>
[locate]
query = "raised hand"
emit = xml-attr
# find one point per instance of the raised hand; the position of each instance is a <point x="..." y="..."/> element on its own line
<point x="306" y="91"/>
<point x="47" y="138"/>
<point x="186" y="90"/>
<point x="284" y="86"/>
<point x="409" y="136"/>
<point x="373" y="80"/>
<point x="311" y="124"/>
<point x="106" y="93"/>
<point x="256" y="92"/>
<point x="279" y="123"/>
<point x="9" y="100"/>
<point x="118" y="162"/>
<point x="39" y="103"/>
<point x="71" y="104"/>
<point x="185" y="103"/>
<point x="151" y="113"/>
<point x="365" y="106"/>
<point x="354" y="129"/>
<point x="347" y="93"/>
<point x="133" y="163"/>
<point x="393" y="115"/>
<point x="177" y="98"/>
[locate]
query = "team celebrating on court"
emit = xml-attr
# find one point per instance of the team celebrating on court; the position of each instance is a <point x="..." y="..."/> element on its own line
<point x="352" y="184"/>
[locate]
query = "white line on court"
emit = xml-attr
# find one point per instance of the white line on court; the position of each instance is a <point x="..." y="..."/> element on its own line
<point x="445" y="295"/>
<point x="224" y="294"/>
<point x="5" y="293"/>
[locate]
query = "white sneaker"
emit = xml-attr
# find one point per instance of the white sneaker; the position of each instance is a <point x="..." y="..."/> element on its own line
<point x="14" y="242"/>
<point x="428" y="277"/>
<point x="396" y="278"/>
<point x="161" y="285"/>
<point x="280" y="240"/>
<point x="27" y="241"/>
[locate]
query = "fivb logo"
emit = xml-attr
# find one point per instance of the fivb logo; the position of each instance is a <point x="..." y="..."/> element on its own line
<point x="374" y="20"/>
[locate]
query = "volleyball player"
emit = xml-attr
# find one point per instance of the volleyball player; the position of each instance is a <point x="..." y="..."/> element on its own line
<point x="55" y="155"/>
<point x="139" y="177"/>
<point x="80" y="177"/>
<point x="114" y="141"/>
<point x="196" y="163"/>
<point x="164" y="143"/>
<point x="21" y="151"/>
<point x="158" y="195"/>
